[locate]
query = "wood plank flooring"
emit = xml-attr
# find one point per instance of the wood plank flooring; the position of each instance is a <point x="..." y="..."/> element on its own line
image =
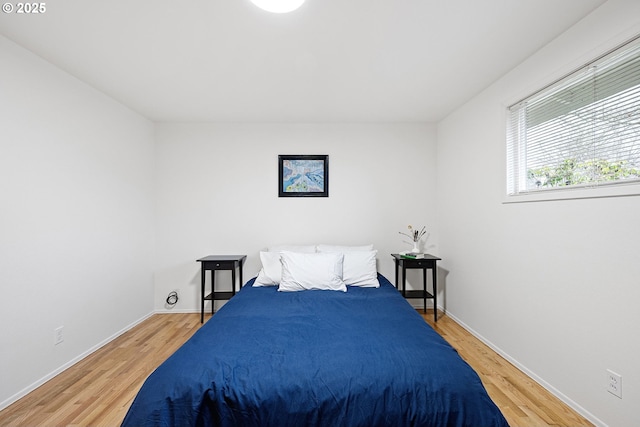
<point x="98" y="390"/>
<point x="523" y="402"/>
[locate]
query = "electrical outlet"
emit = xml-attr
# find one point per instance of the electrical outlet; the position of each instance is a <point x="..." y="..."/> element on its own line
<point x="614" y="383"/>
<point x="57" y="335"/>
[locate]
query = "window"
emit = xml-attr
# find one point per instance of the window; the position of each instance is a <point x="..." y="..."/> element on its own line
<point x="580" y="132"/>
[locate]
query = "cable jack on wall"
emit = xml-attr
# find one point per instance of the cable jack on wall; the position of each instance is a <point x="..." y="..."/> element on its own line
<point x="172" y="299"/>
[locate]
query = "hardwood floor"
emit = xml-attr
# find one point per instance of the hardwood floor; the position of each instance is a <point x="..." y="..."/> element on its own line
<point x="523" y="402"/>
<point x="98" y="390"/>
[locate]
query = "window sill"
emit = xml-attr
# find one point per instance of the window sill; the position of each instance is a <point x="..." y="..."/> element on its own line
<point x="595" y="192"/>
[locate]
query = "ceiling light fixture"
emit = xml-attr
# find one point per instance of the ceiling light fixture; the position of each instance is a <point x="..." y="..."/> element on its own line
<point x="278" y="6"/>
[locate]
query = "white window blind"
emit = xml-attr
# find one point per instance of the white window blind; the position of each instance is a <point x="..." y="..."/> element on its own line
<point x="582" y="131"/>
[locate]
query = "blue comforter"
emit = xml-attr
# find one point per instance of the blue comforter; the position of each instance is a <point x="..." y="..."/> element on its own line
<point x="315" y="358"/>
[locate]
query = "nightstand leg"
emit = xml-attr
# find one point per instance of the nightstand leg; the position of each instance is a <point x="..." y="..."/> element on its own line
<point x="396" y="282"/>
<point x="424" y="285"/>
<point x="213" y="291"/>
<point x="202" y="278"/>
<point x="233" y="280"/>
<point x="434" y="273"/>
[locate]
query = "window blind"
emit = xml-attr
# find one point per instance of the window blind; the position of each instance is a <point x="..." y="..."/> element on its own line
<point x="583" y="130"/>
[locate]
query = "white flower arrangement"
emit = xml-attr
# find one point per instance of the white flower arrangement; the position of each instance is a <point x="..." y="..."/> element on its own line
<point x="415" y="235"/>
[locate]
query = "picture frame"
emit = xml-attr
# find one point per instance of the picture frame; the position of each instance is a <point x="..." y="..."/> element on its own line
<point x="303" y="175"/>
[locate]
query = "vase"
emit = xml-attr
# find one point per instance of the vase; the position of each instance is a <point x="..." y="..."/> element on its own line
<point x="416" y="247"/>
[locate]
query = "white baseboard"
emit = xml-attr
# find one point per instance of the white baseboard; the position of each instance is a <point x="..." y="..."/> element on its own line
<point x="551" y="389"/>
<point x="179" y="311"/>
<point x="69" y="364"/>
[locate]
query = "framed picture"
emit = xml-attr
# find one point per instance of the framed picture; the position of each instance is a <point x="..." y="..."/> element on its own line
<point x="303" y="176"/>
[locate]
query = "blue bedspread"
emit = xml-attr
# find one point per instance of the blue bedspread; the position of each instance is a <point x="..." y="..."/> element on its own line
<point x="315" y="358"/>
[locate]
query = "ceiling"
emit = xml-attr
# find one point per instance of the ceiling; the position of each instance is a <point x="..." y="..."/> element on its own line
<point x="329" y="61"/>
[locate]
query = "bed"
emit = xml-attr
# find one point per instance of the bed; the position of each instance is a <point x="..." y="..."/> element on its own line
<point x="363" y="357"/>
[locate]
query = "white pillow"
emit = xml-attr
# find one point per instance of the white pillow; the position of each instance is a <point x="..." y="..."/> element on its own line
<point x="334" y="248"/>
<point x="271" y="271"/>
<point x="303" y="271"/>
<point x="307" y="249"/>
<point x="359" y="269"/>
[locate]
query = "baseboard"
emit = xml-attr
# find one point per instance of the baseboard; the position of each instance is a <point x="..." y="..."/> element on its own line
<point x="178" y="311"/>
<point x="69" y="364"/>
<point x="551" y="389"/>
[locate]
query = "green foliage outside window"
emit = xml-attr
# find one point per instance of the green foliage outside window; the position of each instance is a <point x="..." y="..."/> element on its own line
<point x="574" y="172"/>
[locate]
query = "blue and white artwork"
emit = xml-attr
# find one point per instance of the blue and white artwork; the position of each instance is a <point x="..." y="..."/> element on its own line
<point x="303" y="176"/>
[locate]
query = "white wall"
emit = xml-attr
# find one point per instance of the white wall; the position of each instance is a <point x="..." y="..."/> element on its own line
<point x="217" y="194"/>
<point x="80" y="176"/>
<point x="553" y="285"/>
<point x="76" y="221"/>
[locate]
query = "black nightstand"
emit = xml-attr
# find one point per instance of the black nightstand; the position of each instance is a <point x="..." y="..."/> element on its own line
<point x="428" y="262"/>
<point x="219" y="262"/>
